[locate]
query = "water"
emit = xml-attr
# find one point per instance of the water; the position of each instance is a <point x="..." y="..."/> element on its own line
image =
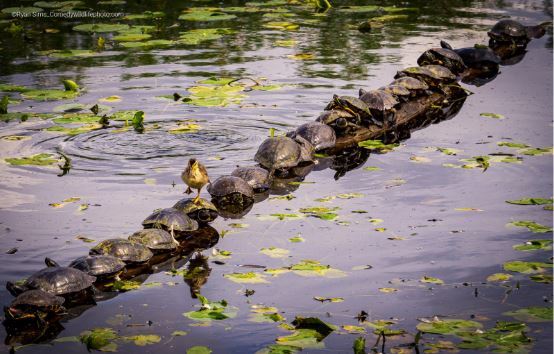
<point x="124" y="176"/>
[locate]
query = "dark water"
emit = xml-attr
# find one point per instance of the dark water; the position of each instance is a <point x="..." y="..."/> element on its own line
<point x="124" y="176"/>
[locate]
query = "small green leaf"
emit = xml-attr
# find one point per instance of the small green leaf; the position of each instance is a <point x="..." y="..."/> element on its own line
<point x="542" y="278"/>
<point x="99" y="339"/>
<point x="179" y="333"/>
<point x="143" y="339"/>
<point x="275" y="252"/>
<point x="431" y="280"/>
<point x="70" y="85"/>
<point x="449" y="326"/>
<point x="492" y="115"/>
<point x="526" y="267"/>
<point x="359" y="346"/>
<point x="36" y="160"/>
<point x="531" y="226"/>
<point x="377" y="145"/>
<point x="246" y="278"/>
<point x="532" y="314"/>
<point x="533" y="245"/>
<point x="499" y="277"/>
<point x="199" y="349"/>
<point x="531" y="201"/>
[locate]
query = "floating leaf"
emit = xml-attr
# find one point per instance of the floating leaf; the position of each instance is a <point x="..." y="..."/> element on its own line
<point x="526" y="267"/>
<point x="199" y="349"/>
<point x="449" y="326"/>
<point x="206" y="16"/>
<point x="301" y="56"/>
<point x="211" y="310"/>
<point x="377" y="145"/>
<point x="531" y="226"/>
<point x="124" y="285"/>
<point x="197" y="36"/>
<point x="131" y="37"/>
<point x="320" y="212"/>
<point x="542" y="278"/>
<point x="353" y="329"/>
<point x="448" y="151"/>
<point x="499" y="277"/>
<point x="179" y="333"/>
<point x="265" y="314"/>
<point x="35" y="160"/>
<point x="372" y="168"/>
<point x="184" y="128"/>
<point x="100" y="27"/>
<point x="275" y="252"/>
<point x="70" y="85"/>
<point x="376" y="221"/>
<point x="146" y="44"/>
<point x="297" y="239"/>
<point x="381" y="229"/>
<point x="99" y="339"/>
<point x="281" y="216"/>
<point x="531" y="201"/>
<point x="303" y="338"/>
<point x="283" y="197"/>
<point x="110" y="99"/>
<point x="309" y="267"/>
<point x="532" y="314"/>
<point x="537" y="151"/>
<point x="468" y="209"/>
<point x="246" y="278"/>
<point x="15" y="138"/>
<point x="281" y="25"/>
<point x="431" y="280"/>
<point x="512" y="144"/>
<point x="420" y="159"/>
<point x="285" y="43"/>
<point x="492" y="115"/>
<point x="49" y="95"/>
<point x="533" y="245"/>
<point x="388" y="290"/>
<point x="143" y="339"/>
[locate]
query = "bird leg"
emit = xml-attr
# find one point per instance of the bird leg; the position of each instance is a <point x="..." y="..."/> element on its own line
<point x="173" y="237"/>
<point x="188" y="191"/>
<point x="195" y="201"/>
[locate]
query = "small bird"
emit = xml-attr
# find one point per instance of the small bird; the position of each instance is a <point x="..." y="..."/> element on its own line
<point x="195" y="176"/>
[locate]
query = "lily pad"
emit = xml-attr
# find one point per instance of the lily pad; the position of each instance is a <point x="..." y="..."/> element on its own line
<point x="303" y="338"/>
<point x="143" y="339"/>
<point x="131" y="37"/>
<point x="512" y="144"/>
<point x="449" y="326"/>
<point x="310" y="268"/>
<point x="197" y="36"/>
<point x="246" y="278"/>
<point x="101" y="339"/>
<point x="265" y="314"/>
<point x="534" y="245"/>
<point x="532" y="314"/>
<point x="206" y="16"/>
<point x="431" y="280"/>
<point x="281" y="25"/>
<point x="199" y="349"/>
<point x="42" y="159"/>
<point x="297" y="239"/>
<point x="526" y="267"/>
<point x="320" y="212"/>
<point x="211" y="310"/>
<point x="499" y="277"/>
<point x="22" y="9"/>
<point x="124" y="285"/>
<point x="72" y="131"/>
<point x="150" y="43"/>
<point x="531" y="226"/>
<point x="100" y="27"/>
<point x="328" y="299"/>
<point x="542" y="278"/>
<point x="377" y="145"/>
<point x="531" y="201"/>
<point x="68" y="53"/>
<point x="537" y="151"/>
<point x="492" y="115"/>
<point x="49" y="95"/>
<point x="275" y="252"/>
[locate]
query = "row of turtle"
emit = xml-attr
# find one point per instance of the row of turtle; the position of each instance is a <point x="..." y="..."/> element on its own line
<point x="43" y="293"/>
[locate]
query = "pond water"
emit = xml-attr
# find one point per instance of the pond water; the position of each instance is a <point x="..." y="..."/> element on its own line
<point x="415" y="216"/>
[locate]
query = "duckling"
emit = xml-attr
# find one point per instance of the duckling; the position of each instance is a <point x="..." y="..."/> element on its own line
<point x="195" y="176"/>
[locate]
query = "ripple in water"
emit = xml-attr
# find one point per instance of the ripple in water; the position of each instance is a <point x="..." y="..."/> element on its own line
<point x="129" y="153"/>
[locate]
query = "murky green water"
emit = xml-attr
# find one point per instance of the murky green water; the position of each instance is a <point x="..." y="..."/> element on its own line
<point x="419" y="217"/>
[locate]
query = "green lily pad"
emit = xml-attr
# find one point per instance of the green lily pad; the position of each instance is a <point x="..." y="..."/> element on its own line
<point x="360" y="9"/>
<point x="49" y="95"/>
<point x="297" y="239"/>
<point x="213" y="96"/>
<point x="13" y="88"/>
<point x="281" y="25"/>
<point x="328" y="299"/>
<point x="101" y="339"/>
<point x="431" y="280"/>
<point x="75" y="118"/>
<point x="145" y="44"/>
<point x="68" y="53"/>
<point x="100" y="27"/>
<point x="211" y="310"/>
<point x="532" y="314"/>
<point x="449" y="326"/>
<point x="125" y="116"/>
<point x="512" y="144"/>
<point x="22" y="9"/>
<point x="206" y="16"/>
<point x="308" y="267"/>
<point x="278" y="349"/>
<point x="131" y="37"/>
<point x="199" y="349"/>
<point x="197" y="36"/>
<point x="246" y="278"/>
<point x="377" y="145"/>
<point x="320" y="212"/>
<point x="289" y="43"/>
<point x="537" y="151"/>
<point x="492" y="115"/>
<point x="275" y="252"/>
<point x="526" y="267"/>
<point x="35" y="160"/>
<point x="261" y="314"/>
<point x="304" y="339"/>
<point x="531" y="226"/>
<point x="143" y="339"/>
<point x="533" y="245"/>
<point x="179" y="333"/>
<point x="72" y="131"/>
<point x="124" y="285"/>
<point x="541" y="278"/>
<point x="57" y="4"/>
<point x="499" y="277"/>
<point x="531" y="201"/>
<point x="146" y="15"/>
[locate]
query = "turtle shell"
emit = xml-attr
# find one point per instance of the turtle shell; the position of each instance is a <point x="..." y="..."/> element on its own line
<point x="397" y="90"/>
<point x="226" y="185"/>
<point x="203" y="211"/>
<point x="155" y="239"/>
<point x="378" y="100"/>
<point x="99" y="265"/>
<point x="445" y="57"/>
<point x="278" y="152"/>
<point x="307" y="150"/>
<point x="432" y="74"/>
<point x="410" y="83"/>
<point x="329" y="117"/>
<point x="37" y="298"/>
<point x="478" y="56"/>
<point x="320" y="135"/>
<point x="125" y="250"/>
<point x="60" y="280"/>
<point x="255" y="176"/>
<point x="504" y="30"/>
<point x="170" y="219"/>
<point x="352" y="103"/>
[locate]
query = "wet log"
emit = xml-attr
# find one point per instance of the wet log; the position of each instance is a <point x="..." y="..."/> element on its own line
<point x="406" y="114"/>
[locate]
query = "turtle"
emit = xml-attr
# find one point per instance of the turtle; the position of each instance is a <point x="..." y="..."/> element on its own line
<point x="401" y="93"/>
<point x="34" y="305"/>
<point x="445" y="57"/>
<point x="231" y="190"/>
<point x="172" y="220"/>
<point x="340" y="120"/>
<point x="432" y="75"/>
<point x="320" y="135"/>
<point x="381" y="104"/>
<point x="416" y="87"/>
<point x="203" y="211"/>
<point x="478" y="57"/>
<point x="278" y="153"/>
<point x="157" y="240"/>
<point x="509" y="31"/>
<point x="355" y="106"/>
<point x="125" y="250"/>
<point x="54" y="280"/>
<point x="101" y="266"/>
<point x="255" y="176"/>
<point x="307" y="150"/>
